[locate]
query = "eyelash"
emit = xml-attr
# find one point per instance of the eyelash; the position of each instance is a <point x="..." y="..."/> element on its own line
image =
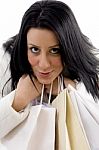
<point x="36" y="50"/>
<point x="56" y="49"/>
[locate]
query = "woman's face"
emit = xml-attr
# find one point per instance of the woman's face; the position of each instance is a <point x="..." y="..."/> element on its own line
<point x="43" y="54"/>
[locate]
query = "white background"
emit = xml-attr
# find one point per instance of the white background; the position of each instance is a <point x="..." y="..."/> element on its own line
<point x="85" y="11"/>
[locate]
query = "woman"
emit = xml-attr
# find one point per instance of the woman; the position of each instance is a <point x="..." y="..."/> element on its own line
<point x="49" y="44"/>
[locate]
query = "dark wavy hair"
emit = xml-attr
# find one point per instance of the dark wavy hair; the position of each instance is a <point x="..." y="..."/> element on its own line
<point x="79" y="62"/>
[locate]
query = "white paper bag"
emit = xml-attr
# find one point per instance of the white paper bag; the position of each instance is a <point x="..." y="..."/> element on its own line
<point x="36" y="132"/>
<point x="88" y="111"/>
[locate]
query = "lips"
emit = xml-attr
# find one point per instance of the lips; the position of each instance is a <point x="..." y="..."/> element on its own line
<point x="45" y="74"/>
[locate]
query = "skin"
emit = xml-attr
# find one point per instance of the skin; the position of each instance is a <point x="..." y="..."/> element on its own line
<point x="43" y="55"/>
<point x="45" y="60"/>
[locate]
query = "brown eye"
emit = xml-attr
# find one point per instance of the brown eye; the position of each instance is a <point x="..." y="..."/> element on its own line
<point x="55" y="51"/>
<point x="34" y="50"/>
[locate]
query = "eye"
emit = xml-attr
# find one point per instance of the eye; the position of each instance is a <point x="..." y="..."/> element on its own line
<point x="55" y="51"/>
<point x="34" y="50"/>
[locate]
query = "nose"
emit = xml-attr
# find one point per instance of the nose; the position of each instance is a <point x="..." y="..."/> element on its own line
<point x="44" y="62"/>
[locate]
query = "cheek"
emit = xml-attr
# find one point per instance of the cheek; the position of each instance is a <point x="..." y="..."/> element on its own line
<point x="32" y="60"/>
<point x="57" y="63"/>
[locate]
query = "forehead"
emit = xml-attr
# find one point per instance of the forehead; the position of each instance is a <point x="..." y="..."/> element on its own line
<point x="35" y="35"/>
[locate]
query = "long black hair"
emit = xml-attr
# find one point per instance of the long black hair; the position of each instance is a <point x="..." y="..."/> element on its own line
<point x="76" y="51"/>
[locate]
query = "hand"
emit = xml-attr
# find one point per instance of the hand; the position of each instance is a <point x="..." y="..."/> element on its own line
<point x="25" y="92"/>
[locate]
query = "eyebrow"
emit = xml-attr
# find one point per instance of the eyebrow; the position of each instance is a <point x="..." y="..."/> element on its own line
<point x="39" y="46"/>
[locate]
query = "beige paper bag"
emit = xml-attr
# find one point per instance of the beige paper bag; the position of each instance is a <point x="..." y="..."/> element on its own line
<point x="70" y="134"/>
<point x="89" y="113"/>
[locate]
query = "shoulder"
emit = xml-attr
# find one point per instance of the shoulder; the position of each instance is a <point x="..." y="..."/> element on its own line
<point x="81" y="91"/>
<point x="4" y="60"/>
<point x="4" y="69"/>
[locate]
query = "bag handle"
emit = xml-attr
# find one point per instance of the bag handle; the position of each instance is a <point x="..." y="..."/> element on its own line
<point x="60" y="84"/>
<point x="42" y="93"/>
<point x="60" y="88"/>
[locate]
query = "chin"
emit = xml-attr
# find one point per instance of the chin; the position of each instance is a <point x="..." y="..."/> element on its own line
<point x="45" y="81"/>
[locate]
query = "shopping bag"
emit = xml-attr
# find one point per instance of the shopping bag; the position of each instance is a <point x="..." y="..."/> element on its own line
<point x="89" y="113"/>
<point x="76" y="132"/>
<point x="36" y="132"/>
<point x="70" y="133"/>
